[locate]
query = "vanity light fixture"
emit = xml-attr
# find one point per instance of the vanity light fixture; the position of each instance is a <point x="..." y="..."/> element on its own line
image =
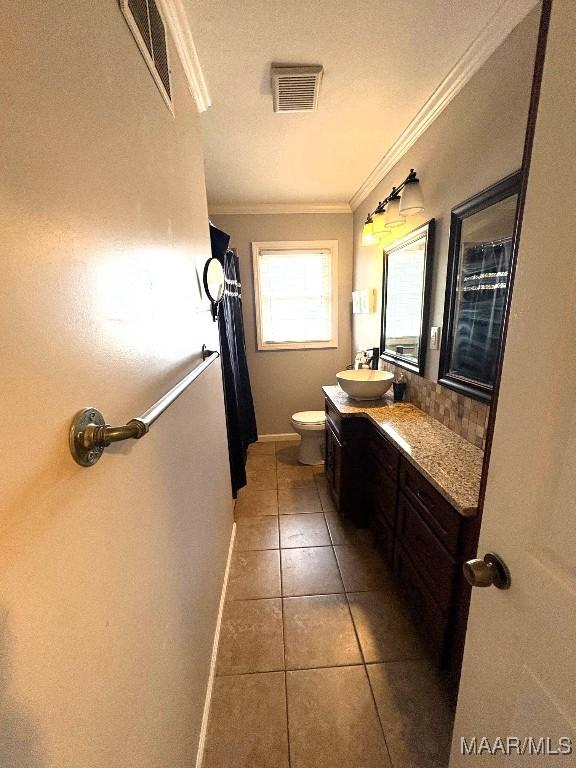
<point x="404" y="200"/>
<point x="368" y="236"/>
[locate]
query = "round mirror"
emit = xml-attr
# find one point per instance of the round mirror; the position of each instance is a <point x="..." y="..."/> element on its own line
<point x="214" y="283"/>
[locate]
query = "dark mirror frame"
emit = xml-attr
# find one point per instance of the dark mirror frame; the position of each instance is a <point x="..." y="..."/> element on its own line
<point x="214" y="302"/>
<point x="426" y="230"/>
<point x="496" y="193"/>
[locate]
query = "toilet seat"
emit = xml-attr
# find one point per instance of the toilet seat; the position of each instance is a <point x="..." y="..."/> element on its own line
<point x="310" y="418"/>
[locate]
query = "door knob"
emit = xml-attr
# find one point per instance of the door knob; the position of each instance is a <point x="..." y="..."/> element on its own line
<point x="492" y="570"/>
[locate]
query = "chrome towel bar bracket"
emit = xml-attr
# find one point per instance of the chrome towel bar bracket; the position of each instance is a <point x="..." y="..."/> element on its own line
<point x="90" y="435"/>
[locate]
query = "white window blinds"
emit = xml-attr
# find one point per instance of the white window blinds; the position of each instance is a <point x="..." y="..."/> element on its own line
<point x="295" y="296"/>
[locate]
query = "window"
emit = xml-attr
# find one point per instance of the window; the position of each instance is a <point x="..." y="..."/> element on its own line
<point x="296" y="294"/>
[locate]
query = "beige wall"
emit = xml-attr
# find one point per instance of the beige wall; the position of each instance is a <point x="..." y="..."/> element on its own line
<point x="284" y="382"/>
<point x="475" y="142"/>
<point x="109" y="576"/>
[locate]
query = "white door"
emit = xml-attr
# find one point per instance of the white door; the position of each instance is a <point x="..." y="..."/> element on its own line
<point x="110" y="576"/>
<point x="519" y="675"/>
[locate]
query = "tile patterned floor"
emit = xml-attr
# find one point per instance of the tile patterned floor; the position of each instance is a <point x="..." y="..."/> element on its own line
<point x="319" y="665"/>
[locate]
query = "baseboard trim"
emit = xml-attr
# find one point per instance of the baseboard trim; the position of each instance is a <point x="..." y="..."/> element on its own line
<point x="281" y="437"/>
<point x="212" y="675"/>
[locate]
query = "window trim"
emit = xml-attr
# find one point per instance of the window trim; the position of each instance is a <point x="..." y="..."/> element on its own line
<point x="295" y="245"/>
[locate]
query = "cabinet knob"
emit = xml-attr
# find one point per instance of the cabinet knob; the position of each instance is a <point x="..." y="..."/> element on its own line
<point x="491" y="571"/>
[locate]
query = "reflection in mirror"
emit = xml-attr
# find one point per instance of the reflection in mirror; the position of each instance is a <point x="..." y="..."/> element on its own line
<point x="214" y="283"/>
<point x="404" y="306"/>
<point x="481" y="242"/>
<point x="485" y="253"/>
<point x="406" y="289"/>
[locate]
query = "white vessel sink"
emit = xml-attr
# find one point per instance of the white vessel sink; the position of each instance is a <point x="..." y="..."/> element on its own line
<point x="365" y="384"/>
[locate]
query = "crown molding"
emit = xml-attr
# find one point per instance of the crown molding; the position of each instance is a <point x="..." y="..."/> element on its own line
<point x="494" y="33"/>
<point x="179" y="26"/>
<point x="278" y="208"/>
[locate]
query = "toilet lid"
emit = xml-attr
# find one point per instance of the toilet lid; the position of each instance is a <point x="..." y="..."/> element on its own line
<point x="310" y="417"/>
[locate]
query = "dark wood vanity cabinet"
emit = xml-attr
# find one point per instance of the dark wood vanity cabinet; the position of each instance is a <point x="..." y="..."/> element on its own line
<point x="344" y="454"/>
<point x="422" y="537"/>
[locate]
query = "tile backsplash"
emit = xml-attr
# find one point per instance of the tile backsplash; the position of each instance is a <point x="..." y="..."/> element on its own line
<point x="465" y="416"/>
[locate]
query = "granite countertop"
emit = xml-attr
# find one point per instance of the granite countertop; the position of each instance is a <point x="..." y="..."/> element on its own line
<point x="448" y="461"/>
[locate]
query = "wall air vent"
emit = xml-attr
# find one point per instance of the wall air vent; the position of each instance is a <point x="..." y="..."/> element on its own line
<point x="295" y="88"/>
<point x="145" y="21"/>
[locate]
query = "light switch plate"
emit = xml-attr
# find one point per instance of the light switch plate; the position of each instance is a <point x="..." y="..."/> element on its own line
<point x="435" y="337"/>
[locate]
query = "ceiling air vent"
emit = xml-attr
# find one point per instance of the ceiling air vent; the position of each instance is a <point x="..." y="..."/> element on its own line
<point x="296" y="89"/>
<point x="145" y="21"/>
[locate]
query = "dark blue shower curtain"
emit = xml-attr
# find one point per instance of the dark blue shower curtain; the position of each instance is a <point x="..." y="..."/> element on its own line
<point x="240" y="416"/>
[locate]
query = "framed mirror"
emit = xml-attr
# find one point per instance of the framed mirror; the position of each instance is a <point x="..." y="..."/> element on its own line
<point x="477" y="286"/>
<point x="214" y="284"/>
<point x="406" y="298"/>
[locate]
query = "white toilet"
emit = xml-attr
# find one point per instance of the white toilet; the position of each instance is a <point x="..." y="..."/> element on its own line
<point x="310" y="425"/>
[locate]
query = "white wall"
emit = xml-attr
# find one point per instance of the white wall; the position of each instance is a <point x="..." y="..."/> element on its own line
<point x="287" y="381"/>
<point x="109" y="576"/>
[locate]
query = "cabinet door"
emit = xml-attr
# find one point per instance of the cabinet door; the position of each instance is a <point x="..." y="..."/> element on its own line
<point x="384" y="538"/>
<point x="333" y="462"/>
<point x="383" y="493"/>
<point x="434" y="563"/>
<point x="427" y="613"/>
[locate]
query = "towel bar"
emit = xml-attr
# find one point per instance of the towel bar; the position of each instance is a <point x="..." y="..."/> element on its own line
<point x="90" y="435"/>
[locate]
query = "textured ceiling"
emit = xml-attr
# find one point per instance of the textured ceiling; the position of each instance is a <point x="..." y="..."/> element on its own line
<point x="382" y="60"/>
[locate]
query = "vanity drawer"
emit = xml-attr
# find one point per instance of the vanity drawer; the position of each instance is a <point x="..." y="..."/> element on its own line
<point x="383" y="453"/>
<point x="436" y="511"/>
<point x="426" y="611"/>
<point x="437" y="567"/>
